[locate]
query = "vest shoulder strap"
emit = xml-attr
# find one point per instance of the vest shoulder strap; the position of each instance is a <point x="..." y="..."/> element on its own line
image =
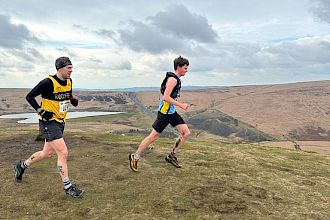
<point x="163" y="85"/>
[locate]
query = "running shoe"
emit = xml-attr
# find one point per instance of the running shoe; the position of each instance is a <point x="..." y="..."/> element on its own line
<point x="19" y="171"/>
<point x="133" y="162"/>
<point x="74" y="192"/>
<point x="171" y="158"/>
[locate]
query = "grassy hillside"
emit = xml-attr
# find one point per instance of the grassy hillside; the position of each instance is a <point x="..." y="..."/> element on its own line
<point x="217" y="181"/>
<point x="294" y="111"/>
<point x="299" y="111"/>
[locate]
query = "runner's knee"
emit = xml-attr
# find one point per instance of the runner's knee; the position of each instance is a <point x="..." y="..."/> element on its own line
<point x="63" y="154"/>
<point x="42" y="154"/>
<point x="185" y="133"/>
<point x="154" y="136"/>
<point x="49" y="154"/>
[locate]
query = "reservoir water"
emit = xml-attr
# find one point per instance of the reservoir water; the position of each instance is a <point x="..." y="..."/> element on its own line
<point x="33" y="117"/>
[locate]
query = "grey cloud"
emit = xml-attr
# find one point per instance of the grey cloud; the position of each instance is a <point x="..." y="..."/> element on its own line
<point x="126" y="65"/>
<point x="35" y="53"/>
<point x="227" y="55"/>
<point x="143" y="37"/>
<point x="31" y="55"/>
<point x="78" y="26"/>
<point x="4" y="62"/>
<point x="271" y="64"/>
<point x="167" y="32"/>
<point x="303" y="55"/>
<point x="105" y="33"/>
<point x="13" y="35"/>
<point x="105" y="65"/>
<point x="67" y="51"/>
<point x="101" y="32"/>
<point x="23" y="62"/>
<point x="19" y="60"/>
<point x="120" y="65"/>
<point x="82" y="29"/>
<point x="25" y="54"/>
<point x="182" y="23"/>
<point x="321" y="9"/>
<point x="95" y="60"/>
<point x="306" y="56"/>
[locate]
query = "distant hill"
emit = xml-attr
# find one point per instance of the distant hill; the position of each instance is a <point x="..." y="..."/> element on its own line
<point x="295" y="111"/>
<point x="218" y="123"/>
<point x="156" y="89"/>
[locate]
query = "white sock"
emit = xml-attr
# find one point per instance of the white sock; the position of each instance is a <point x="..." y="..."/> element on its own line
<point x="137" y="156"/>
<point x="25" y="164"/>
<point x="67" y="183"/>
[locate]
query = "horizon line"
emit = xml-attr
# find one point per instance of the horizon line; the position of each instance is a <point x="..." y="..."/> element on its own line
<point x="200" y="86"/>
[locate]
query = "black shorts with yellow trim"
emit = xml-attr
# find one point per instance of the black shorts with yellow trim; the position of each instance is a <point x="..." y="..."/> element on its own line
<point x="51" y="130"/>
<point x="164" y="119"/>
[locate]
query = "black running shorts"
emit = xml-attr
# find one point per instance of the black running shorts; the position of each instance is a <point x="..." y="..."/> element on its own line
<point x="51" y="130"/>
<point x="164" y="119"/>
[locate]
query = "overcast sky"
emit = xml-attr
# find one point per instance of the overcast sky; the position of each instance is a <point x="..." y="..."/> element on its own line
<point x="120" y="44"/>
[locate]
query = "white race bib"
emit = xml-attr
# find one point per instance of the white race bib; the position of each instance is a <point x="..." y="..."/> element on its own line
<point x="64" y="106"/>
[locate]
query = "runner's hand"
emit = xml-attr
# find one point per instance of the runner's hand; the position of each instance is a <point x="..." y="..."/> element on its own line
<point x="74" y="102"/>
<point x="46" y="114"/>
<point x="185" y="106"/>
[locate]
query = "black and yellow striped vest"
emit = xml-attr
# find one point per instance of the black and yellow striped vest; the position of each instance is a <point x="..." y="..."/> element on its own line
<point x="164" y="106"/>
<point x="59" y="101"/>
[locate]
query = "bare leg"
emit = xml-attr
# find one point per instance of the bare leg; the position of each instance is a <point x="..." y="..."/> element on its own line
<point x="62" y="155"/>
<point x="154" y="135"/>
<point x="37" y="156"/>
<point x="184" y="134"/>
<point x="46" y="152"/>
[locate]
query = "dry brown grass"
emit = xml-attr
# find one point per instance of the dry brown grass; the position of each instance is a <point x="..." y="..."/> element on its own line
<point x="287" y="111"/>
<point x="321" y="147"/>
<point x="278" y="110"/>
<point x="217" y="181"/>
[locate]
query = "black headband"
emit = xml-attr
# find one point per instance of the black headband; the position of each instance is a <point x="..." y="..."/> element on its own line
<point x="62" y="62"/>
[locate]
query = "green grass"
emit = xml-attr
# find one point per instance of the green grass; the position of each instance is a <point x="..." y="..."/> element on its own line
<point x="103" y="118"/>
<point x="217" y="181"/>
<point x="133" y="119"/>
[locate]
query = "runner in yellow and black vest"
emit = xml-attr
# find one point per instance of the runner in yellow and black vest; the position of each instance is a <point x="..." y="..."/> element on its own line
<point x="58" y="101"/>
<point x="56" y="98"/>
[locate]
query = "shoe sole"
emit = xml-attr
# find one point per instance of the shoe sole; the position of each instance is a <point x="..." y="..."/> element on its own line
<point x="16" y="171"/>
<point x="130" y="163"/>
<point x="171" y="162"/>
